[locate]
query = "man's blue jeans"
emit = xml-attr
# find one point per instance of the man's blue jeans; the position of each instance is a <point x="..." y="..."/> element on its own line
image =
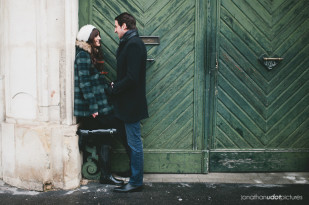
<point x="135" y="143"/>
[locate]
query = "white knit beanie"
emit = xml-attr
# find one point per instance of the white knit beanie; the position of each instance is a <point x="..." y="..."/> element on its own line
<point x="84" y="32"/>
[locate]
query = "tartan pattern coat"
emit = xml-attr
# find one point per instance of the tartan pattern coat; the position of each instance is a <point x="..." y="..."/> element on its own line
<point x="89" y="85"/>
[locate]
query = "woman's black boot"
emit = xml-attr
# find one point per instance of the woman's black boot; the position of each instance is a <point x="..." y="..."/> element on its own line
<point x="105" y="167"/>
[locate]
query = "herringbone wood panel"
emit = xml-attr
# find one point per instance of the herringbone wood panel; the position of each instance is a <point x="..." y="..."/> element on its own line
<point x="256" y="107"/>
<point x="170" y="80"/>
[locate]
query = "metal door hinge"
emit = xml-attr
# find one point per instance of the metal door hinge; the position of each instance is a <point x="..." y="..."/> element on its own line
<point x="215" y="69"/>
<point x="217" y="64"/>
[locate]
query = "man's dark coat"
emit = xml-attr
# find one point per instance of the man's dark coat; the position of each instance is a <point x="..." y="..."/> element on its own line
<point x="130" y="88"/>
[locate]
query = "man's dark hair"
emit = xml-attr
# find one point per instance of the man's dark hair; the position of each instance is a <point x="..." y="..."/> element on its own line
<point x="128" y="19"/>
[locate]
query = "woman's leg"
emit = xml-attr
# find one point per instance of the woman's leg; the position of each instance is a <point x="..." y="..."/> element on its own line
<point x="103" y="144"/>
<point x="107" y="122"/>
<point x="111" y="121"/>
<point x="105" y="166"/>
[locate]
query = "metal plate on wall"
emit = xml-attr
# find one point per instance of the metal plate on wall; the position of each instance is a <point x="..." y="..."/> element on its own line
<point x="151" y="40"/>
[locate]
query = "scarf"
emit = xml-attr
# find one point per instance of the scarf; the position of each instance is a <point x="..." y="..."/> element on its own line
<point x="129" y="34"/>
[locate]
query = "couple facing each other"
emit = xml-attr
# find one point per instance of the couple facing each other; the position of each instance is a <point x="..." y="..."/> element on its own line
<point x="121" y="104"/>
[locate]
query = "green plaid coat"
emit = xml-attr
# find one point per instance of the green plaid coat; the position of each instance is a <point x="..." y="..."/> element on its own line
<point x="89" y="94"/>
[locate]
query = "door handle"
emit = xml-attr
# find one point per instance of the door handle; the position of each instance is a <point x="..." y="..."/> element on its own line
<point x="150" y="60"/>
<point x="273" y="59"/>
<point x="270" y="63"/>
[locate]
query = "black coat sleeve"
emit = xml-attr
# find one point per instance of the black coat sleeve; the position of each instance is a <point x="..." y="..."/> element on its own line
<point x="133" y="61"/>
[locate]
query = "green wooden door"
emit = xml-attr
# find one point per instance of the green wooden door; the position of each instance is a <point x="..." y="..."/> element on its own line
<point x="260" y="116"/>
<point x="173" y="134"/>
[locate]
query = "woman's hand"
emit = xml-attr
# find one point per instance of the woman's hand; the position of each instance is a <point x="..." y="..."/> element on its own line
<point x="95" y="114"/>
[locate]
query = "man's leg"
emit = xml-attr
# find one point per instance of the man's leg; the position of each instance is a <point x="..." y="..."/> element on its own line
<point x="135" y="143"/>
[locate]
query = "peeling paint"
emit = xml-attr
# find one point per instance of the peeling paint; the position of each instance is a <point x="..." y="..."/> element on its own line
<point x="234" y="163"/>
<point x="52" y="94"/>
<point x="42" y="157"/>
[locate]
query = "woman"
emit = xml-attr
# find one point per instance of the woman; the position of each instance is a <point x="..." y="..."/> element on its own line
<point x="91" y="105"/>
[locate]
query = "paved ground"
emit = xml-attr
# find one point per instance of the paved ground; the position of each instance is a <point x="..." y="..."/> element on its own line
<point x="161" y="189"/>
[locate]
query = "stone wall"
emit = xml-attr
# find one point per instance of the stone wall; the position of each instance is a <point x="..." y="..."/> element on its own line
<point x="38" y="144"/>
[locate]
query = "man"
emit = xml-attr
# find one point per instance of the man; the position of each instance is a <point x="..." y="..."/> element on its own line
<point x="129" y="94"/>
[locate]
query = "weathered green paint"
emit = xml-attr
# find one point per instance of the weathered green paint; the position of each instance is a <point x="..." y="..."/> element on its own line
<point x="90" y="168"/>
<point x="253" y="107"/>
<point x="173" y="135"/>
<point x="159" y="161"/>
<point x="84" y="13"/>
<point x="209" y="109"/>
<point x="259" y="161"/>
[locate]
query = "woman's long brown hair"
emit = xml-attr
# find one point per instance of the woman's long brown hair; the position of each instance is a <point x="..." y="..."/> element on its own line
<point x="96" y="52"/>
